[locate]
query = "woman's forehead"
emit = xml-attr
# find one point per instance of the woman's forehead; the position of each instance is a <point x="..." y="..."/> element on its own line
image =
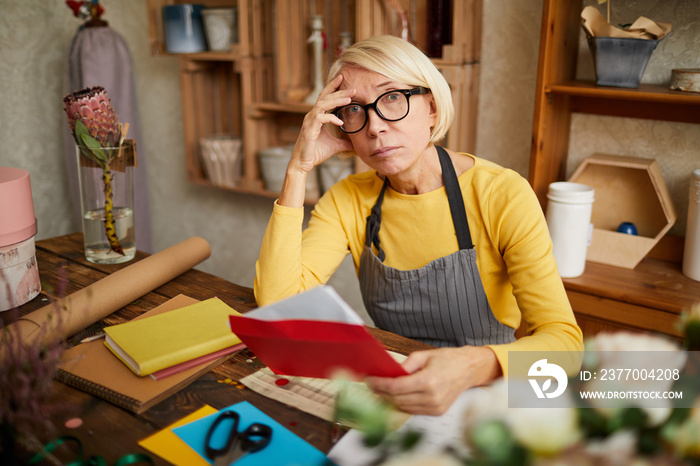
<point x="355" y="77"/>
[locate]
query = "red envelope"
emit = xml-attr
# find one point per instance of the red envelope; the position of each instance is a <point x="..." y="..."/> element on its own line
<point x="314" y="348"/>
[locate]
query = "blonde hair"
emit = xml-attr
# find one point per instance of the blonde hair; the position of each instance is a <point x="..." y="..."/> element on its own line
<point x="401" y="61"/>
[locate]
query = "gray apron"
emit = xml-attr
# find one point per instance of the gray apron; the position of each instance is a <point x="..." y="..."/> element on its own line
<point x="442" y="303"/>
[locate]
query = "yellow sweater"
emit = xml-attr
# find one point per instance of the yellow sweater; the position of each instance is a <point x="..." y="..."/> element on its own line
<point x="510" y="235"/>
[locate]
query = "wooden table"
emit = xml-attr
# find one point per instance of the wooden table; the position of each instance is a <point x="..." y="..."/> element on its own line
<point x="112" y="432"/>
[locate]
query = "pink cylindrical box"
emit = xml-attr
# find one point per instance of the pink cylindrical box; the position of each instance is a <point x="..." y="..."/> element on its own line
<point x="19" y="275"/>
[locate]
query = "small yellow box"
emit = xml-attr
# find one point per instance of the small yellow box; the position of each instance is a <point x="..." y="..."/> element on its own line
<point x="627" y="189"/>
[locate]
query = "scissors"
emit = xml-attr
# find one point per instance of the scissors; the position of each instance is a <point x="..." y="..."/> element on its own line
<point x="254" y="438"/>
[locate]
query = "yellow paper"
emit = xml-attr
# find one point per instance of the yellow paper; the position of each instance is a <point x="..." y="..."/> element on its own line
<point x="155" y="343"/>
<point x="170" y="447"/>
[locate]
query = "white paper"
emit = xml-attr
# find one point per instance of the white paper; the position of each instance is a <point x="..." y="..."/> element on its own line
<point x="320" y="303"/>
<point x="438" y="434"/>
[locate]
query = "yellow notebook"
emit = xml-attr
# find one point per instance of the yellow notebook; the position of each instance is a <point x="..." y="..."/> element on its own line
<point x="154" y="343"/>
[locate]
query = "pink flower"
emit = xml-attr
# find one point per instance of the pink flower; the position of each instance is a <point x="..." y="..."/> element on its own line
<point x="94" y="109"/>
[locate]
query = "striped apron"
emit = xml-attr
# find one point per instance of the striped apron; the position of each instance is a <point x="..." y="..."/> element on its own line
<point x="442" y="303"/>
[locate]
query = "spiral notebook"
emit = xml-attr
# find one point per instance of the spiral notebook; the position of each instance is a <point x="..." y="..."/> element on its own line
<point x="92" y="368"/>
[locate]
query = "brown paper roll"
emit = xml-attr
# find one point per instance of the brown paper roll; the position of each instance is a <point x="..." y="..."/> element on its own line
<point x="102" y="298"/>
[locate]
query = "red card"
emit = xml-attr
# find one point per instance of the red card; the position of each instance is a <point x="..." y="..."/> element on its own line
<point x="314" y="348"/>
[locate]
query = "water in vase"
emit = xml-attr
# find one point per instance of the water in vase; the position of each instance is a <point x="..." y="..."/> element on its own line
<point x="97" y="248"/>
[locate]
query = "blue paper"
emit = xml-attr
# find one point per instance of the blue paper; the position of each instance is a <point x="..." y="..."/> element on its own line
<point x="285" y="448"/>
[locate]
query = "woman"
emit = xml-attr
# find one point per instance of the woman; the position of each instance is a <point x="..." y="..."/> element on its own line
<point x="450" y="249"/>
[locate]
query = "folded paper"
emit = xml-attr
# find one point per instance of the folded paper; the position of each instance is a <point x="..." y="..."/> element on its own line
<point x="314" y="334"/>
<point x="171" y="448"/>
<point x="285" y="446"/>
<point x="595" y="25"/>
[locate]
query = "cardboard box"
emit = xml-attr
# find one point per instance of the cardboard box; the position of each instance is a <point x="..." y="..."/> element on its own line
<point x="627" y="189"/>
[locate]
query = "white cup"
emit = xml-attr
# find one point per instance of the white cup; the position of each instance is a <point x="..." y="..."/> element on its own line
<point x="569" y="220"/>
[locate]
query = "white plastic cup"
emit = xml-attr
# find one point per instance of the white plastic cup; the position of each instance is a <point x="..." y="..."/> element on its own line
<point x="691" y="251"/>
<point x="569" y="220"/>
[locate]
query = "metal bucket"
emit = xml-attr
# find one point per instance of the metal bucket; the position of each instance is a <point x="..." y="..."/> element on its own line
<point x="620" y="61"/>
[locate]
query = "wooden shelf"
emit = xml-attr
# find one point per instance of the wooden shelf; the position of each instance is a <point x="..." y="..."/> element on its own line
<point x="654" y="283"/>
<point x="649" y="93"/>
<point x="233" y="55"/>
<point x="651" y="296"/>
<point x="245" y="188"/>
<point x="255" y="91"/>
<point x="279" y="107"/>
<point x="648" y="101"/>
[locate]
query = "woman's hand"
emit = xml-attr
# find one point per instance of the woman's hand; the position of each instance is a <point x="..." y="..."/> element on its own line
<point x="437" y="377"/>
<point x="315" y="143"/>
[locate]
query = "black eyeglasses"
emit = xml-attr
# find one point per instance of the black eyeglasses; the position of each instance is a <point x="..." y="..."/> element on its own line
<point x="390" y="106"/>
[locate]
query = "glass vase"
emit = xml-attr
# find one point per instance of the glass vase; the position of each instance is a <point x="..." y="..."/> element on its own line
<point x="107" y="203"/>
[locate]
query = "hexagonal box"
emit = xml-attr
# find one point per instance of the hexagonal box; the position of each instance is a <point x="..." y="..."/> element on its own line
<point x="627" y="189"/>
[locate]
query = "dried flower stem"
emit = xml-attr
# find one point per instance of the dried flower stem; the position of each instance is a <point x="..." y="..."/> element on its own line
<point x="110" y="229"/>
